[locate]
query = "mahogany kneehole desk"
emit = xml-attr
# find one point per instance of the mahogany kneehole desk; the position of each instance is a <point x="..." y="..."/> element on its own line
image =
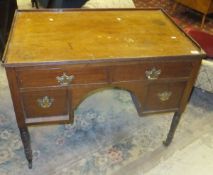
<point x="55" y="58"/>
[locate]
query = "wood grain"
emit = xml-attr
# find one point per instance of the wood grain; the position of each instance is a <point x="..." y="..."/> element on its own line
<point x="48" y="36"/>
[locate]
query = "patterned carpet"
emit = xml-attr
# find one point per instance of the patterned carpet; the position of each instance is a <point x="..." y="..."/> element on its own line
<point x="184" y="16"/>
<point x="106" y="137"/>
<point x="97" y="142"/>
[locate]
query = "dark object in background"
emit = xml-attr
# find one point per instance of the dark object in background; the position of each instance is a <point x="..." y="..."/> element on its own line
<point x="34" y="3"/>
<point x="62" y="3"/>
<point x="7" y="9"/>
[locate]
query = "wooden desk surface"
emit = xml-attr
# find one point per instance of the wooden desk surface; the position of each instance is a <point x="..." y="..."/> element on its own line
<point x="52" y="36"/>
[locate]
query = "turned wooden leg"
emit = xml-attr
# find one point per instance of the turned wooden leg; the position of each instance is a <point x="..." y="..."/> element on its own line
<point x="174" y="8"/>
<point x="25" y="137"/>
<point x="203" y="21"/>
<point x="175" y="121"/>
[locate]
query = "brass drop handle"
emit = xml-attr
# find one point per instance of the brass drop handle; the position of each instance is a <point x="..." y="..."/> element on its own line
<point x="164" y="96"/>
<point x="153" y="74"/>
<point x="65" y="79"/>
<point x="45" y="102"/>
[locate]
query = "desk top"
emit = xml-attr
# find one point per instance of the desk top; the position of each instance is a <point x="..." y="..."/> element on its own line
<point x="84" y="35"/>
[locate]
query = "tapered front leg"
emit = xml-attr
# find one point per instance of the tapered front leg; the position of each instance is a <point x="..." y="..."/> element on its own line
<point x="174" y="124"/>
<point x="25" y="137"/>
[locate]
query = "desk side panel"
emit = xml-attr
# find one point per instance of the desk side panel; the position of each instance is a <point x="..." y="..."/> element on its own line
<point x="16" y="98"/>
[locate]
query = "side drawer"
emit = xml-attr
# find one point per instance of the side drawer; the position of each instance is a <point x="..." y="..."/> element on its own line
<point x="45" y="103"/>
<point x="48" y="76"/>
<point x="140" y="71"/>
<point x="163" y="96"/>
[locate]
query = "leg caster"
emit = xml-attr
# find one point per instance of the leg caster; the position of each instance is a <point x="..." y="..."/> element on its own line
<point x="25" y="137"/>
<point x="175" y="121"/>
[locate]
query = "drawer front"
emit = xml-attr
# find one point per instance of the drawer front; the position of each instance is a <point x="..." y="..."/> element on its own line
<point x="151" y="71"/>
<point x="56" y="76"/>
<point x="163" y="96"/>
<point x="199" y="5"/>
<point x="45" y="103"/>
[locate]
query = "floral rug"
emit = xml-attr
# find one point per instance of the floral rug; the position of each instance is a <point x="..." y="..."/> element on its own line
<point x="106" y="136"/>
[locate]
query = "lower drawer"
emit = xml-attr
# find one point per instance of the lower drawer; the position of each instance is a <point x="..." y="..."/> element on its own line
<point x="163" y="96"/>
<point x="45" y="103"/>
